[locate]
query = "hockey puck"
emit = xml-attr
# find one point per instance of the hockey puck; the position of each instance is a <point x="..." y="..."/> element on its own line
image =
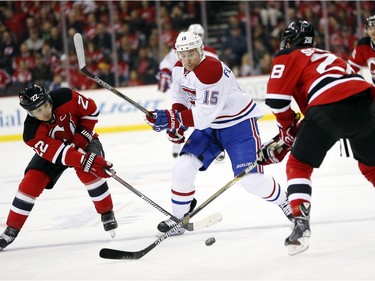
<point x="210" y="241"/>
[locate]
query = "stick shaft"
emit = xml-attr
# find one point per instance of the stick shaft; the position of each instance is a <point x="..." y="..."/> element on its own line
<point x="78" y="43"/>
<point x="118" y="254"/>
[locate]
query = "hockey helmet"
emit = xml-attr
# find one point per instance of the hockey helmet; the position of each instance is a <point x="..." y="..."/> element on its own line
<point x="197" y="28"/>
<point x="370" y="21"/>
<point x="298" y="33"/>
<point x="188" y="40"/>
<point x="33" y="96"/>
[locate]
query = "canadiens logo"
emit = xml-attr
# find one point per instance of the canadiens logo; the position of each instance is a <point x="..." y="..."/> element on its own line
<point x="191" y="94"/>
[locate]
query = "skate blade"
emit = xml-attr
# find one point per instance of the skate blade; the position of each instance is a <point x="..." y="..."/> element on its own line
<point x="175" y="233"/>
<point x="301" y="245"/>
<point x="112" y="233"/>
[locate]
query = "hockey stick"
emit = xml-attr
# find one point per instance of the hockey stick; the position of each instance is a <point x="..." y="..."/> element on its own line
<point x="190" y="226"/>
<point x="78" y="43"/>
<point x="128" y="255"/>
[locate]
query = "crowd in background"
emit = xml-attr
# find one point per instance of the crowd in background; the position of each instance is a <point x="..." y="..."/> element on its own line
<point x="32" y="46"/>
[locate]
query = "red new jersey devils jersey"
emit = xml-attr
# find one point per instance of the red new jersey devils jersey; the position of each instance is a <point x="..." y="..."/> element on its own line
<point x="312" y="77"/>
<point x="52" y="141"/>
<point x="364" y="55"/>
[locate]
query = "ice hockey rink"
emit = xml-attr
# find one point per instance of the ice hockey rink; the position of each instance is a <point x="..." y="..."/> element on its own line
<point x="62" y="238"/>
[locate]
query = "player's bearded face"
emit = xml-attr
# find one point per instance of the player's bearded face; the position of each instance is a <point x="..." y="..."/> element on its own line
<point x="43" y="112"/>
<point x="190" y="59"/>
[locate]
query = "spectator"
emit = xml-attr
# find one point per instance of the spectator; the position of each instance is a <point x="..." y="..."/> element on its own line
<point x="134" y="80"/>
<point x="41" y="73"/>
<point x="24" y="56"/>
<point x="55" y="39"/>
<point x="5" y="80"/>
<point x="21" y="77"/>
<point x="56" y="83"/>
<point x="235" y="47"/>
<point x="105" y="73"/>
<point x="102" y="39"/>
<point x="146" y="67"/>
<point x="34" y="42"/>
<point x="247" y="67"/>
<point x="8" y="50"/>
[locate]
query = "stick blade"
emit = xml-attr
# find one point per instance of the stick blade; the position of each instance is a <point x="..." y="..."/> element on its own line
<point x="78" y="43"/>
<point x="113" y="254"/>
<point x="208" y="221"/>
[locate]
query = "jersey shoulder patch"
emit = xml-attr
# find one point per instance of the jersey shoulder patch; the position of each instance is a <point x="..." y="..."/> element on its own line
<point x="61" y="96"/>
<point x="364" y="41"/>
<point x="31" y="125"/>
<point x="209" y="71"/>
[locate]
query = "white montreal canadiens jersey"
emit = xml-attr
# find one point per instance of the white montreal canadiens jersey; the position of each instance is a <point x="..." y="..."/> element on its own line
<point x="213" y="94"/>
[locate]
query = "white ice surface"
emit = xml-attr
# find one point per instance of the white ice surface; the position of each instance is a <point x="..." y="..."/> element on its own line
<point x="62" y="237"/>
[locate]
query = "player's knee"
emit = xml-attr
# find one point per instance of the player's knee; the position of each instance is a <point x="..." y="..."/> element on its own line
<point x="368" y="172"/>
<point x="184" y="171"/>
<point x="34" y="182"/>
<point x="257" y="184"/>
<point x="297" y="169"/>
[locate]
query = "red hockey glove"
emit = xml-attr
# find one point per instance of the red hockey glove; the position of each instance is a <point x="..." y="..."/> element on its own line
<point x="287" y="135"/>
<point x="96" y="165"/>
<point x="177" y="135"/>
<point x="82" y="137"/>
<point x="164" y="81"/>
<point x="272" y="152"/>
<point x="164" y="119"/>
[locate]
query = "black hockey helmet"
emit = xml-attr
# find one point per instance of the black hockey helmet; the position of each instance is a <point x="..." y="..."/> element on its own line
<point x="298" y="33"/>
<point x="370" y="21"/>
<point x="33" y="96"/>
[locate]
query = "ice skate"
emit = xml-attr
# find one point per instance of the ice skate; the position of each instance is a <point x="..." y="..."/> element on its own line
<point x="298" y="240"/>
<point x="285" y="207"/>
<point x="220" y="157"/>
<point x="109" y="223"/>
<point x="176" y="148"/>
<point x="8" y="237"/>
<point x="168" y="224"/>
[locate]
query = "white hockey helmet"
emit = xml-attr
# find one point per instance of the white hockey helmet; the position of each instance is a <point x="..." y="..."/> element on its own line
<point x="188" y="40"/>
<point x="197" y="28"/>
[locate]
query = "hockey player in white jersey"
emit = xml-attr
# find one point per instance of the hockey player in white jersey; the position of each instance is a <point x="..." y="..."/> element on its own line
<point x="206" y="96"/>
<point x="165" y="74"/>
<point x="168" y="62"/>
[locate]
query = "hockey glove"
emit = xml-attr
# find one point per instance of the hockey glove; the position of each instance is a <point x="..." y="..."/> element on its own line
<point x="177" y="135"/>
<point x="287" y="135"/>
<point x="164" y="119"/>
<point x="164" y="81"/>
<point x="81" y="138"/>
<point x="272" y="152"/>
<point x="96" y="165"/>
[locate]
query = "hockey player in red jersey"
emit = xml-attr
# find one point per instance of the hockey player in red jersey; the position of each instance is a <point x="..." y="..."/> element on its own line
<point x="60" y="129"/>
<point x="207" y="97"/>
<point x="336" y="103"/>
<point x="364" y="54"/>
